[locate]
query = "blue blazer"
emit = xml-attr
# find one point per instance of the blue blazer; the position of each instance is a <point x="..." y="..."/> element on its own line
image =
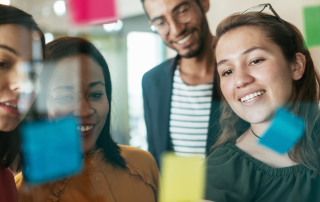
<point x="157" y="90"/>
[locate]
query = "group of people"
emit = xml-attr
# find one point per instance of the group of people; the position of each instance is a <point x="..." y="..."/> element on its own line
<point x="215" y="98"/>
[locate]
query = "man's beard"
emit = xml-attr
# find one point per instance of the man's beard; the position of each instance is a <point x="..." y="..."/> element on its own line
<point x="201" y="41"/>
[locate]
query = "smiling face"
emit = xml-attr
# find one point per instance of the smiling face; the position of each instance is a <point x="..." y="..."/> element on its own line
<point x="255" y="77"/>
<point x="77" y="88"/>
<point x="15" y="54"/>
<point x="187" y="39"/>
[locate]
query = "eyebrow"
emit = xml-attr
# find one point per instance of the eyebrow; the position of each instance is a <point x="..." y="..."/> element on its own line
<point x="174" y="9"/>
<point x="243" y="53"/>
<point x="95" y="83"/>
<point x="63" y="88"/>
<point x="9" y="49"/>
<point x="71" y="87"/>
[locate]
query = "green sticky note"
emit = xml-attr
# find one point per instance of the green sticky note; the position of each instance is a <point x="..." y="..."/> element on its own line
<point x="182" y="179"/>
<point x="312" y="25"/>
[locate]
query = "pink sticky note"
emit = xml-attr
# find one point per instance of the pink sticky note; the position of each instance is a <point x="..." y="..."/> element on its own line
<point x="93" y="11"/>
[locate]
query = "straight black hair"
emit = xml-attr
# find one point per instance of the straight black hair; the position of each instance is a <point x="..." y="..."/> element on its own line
<point x="10" y="141"/>
<point x="73" y="46"/>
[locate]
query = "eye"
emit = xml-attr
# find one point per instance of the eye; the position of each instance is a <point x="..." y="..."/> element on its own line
<point x="159" y="23"/>
<point x="4" y="65"/>
<point x="227" y="73"/>
<point x="65" y="98"/>
<point x="256" y="61"/>
<point x="183" y="9"/>
<point x="96" y="95"/>
<point x="33" y="76"/>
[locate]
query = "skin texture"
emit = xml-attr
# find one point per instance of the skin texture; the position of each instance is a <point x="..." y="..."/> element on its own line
<point x="19" y="40"/>
<point x="197" y="65"/>
<point x="243" y="72"/>
<point x="197" y="26"/>
<point x="77" y="89"/>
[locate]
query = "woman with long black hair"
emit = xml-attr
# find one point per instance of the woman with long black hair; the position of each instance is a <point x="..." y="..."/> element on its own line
<point x="18" y="30"/>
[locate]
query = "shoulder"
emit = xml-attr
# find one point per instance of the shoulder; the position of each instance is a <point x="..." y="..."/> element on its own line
<point x="161" y="69"/>
<point x="141" y="163"/>
<point x="136" y="157"/>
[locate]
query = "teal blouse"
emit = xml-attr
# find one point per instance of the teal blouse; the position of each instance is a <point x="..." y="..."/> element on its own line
<point x="233" y="175"/>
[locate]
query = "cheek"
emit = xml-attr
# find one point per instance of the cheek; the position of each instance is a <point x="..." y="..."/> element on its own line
<point x="55" y="110"/>
<point x="227" y="89"/>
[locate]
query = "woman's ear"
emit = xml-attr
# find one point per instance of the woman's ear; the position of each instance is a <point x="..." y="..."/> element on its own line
<point x="298" y="66"/>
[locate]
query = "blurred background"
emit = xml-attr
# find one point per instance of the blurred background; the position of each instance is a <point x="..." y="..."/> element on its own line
<point x="131" y="49"/>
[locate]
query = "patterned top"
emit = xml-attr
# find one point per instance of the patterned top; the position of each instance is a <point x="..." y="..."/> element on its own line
<point x="189" y="117"/>
<point x="100" y="181"/>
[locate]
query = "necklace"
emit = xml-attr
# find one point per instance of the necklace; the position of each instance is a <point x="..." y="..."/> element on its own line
<point x="255" y="134"/>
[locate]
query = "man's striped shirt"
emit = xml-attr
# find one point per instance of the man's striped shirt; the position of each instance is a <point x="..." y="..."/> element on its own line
<point x="189" y="117"/>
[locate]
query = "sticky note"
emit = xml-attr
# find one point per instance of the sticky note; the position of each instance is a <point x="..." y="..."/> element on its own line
<point x="284" y="132"/>
<point x="50" y="150"/>
<point x="312" y="25"/>
<point x="93" y="11"/>
<point x="182" y="179"/>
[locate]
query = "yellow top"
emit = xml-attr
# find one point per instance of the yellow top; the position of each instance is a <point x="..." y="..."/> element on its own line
<point x="100" y="181"/>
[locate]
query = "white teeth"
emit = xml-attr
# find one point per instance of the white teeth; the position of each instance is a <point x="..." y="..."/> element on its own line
<point x="84" y="128"/>
<point x="11" y="105"/>
<point x="185" y="39"/>
<point x="252" y="96"/>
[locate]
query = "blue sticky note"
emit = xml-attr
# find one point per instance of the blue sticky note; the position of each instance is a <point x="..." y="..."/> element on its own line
<point x="285" y="131"/>
<point x="50" y="150"/>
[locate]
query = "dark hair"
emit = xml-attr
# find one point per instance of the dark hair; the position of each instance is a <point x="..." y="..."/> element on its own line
<point x="10" y="141"/>
<point x="73" y="46"/>
<point x="305" y="97"/>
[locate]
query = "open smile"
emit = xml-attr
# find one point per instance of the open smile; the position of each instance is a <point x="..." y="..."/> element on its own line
<point x="85" y="129"/>
<point x="252" y="96"/>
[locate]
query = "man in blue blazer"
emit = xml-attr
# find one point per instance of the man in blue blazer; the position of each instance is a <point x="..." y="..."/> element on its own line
<point x="181" y="102"/>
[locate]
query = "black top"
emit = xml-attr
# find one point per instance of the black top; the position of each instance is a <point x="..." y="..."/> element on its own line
<point x="233" y="175"/>
<point x="157" y="93"/>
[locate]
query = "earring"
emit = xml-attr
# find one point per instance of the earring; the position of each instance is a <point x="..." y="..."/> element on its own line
<point x="295" y="74"/>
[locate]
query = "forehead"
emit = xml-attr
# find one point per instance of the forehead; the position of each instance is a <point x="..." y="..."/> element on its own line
<point x="17" y="38"/>
<point x="155" y="8"/>
<point x="77" y="71"/>
<point x="240" y="39"/>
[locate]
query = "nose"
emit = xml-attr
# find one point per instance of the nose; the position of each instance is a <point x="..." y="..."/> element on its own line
<point x="83" y="109"/>
<point x="242" y="78"/>
<point x="16" y="78"/>
<point x="176" y="29"/>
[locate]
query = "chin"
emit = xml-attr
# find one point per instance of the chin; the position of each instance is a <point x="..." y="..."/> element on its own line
<point x="191" y="53"/>
<point x="8" y="126"/>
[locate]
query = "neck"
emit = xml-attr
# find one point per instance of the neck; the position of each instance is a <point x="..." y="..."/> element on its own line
<point x="200" y="66"/>
<point x="260" y="129"/>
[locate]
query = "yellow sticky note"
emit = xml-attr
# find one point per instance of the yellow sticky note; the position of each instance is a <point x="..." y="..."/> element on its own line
<point x="182" y="179"/>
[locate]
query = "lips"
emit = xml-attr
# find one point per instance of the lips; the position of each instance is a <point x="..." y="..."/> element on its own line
<point x="252" y="96"/>
<point x="185" y="39"/>
<point x="10" y="106"/>
<point x="86" y="129"/>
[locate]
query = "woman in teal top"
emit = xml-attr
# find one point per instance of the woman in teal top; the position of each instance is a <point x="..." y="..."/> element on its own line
<point x="262" y="64"/>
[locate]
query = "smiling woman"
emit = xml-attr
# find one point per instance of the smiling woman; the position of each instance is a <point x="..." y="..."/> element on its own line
<point x="78" y="85"/>
<point x="263" y="65"/>
<point x="18" y="31"/>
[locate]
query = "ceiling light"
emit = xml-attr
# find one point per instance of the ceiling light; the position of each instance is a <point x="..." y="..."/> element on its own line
<point x="5" y="2"/>
<point x="59" y="8"/>
<point x="49" y="37"/>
